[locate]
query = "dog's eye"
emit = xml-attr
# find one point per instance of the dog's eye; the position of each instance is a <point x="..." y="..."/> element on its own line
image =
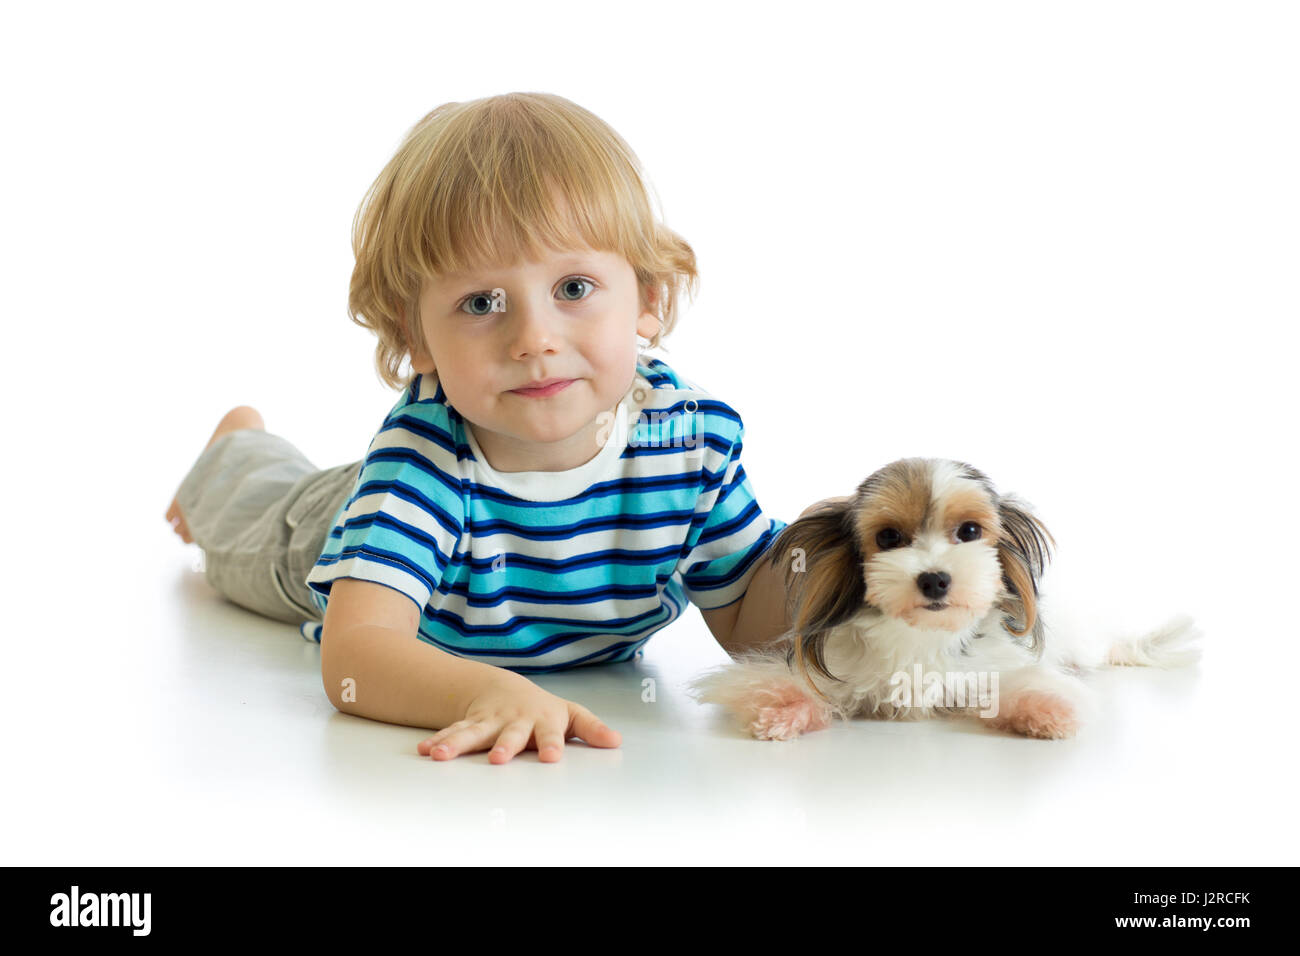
<point x="888" y="538"/>
<point x="969" y="531"/>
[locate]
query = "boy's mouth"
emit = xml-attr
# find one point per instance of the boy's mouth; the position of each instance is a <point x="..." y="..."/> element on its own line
<point x="547" y="386"/>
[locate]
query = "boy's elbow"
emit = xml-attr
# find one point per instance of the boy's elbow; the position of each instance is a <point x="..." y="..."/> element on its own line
<point x="334" y="693"/>
<point x="333" y="672"/>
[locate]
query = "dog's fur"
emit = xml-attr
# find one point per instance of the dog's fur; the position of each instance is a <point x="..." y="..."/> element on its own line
<point x="917" y="597"/>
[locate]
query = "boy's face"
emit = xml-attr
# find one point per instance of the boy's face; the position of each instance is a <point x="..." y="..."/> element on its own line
<point x="575" y="314"/>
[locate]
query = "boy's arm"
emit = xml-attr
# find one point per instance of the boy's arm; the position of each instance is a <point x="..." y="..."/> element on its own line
<point x="761" y="615"/>
<point x="385" y="674"/>
<point x="373" y="665"/>
<point x="758" y="617"/>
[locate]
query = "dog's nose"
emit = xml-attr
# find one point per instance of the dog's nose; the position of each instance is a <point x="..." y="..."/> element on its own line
<point x="934" y="584"/>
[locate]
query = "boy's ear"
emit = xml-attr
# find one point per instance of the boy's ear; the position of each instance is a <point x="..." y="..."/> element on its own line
<point x="421" y="360"/>
<point x="648" y="323"/>
<point x="647" y="326"/>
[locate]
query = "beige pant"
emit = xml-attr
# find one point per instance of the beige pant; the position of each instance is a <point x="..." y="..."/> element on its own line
<point x="261" y="513"/>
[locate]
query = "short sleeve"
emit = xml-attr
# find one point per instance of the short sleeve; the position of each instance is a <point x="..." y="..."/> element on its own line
<point x="404" y="519"/>
<point x="730" y="533"/>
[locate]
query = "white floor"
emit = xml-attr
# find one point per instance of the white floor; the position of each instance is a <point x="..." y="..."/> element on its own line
<point x="205" y="738"/>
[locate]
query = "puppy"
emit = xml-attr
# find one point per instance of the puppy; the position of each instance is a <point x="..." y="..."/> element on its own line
<point x="918" y="597"/>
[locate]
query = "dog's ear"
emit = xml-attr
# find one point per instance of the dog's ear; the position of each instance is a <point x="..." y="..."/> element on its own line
<point x="823" y="577"/>
<point x="1024" y="550"/>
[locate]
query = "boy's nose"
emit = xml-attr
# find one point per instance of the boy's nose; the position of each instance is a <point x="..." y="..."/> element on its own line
<point x="531" y="327"/>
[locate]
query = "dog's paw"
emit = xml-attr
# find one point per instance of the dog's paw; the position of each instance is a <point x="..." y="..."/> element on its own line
<point x="787" y="714"/>
<point x="1038" y="714"/>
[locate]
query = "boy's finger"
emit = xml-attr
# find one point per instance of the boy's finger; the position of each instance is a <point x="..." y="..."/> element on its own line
<point x="426" y="745"/>
<point x="586" y="725"/>
<point x="550" y="742"/>
<point x="465" y="740"/>
<point x="512" y="739"/>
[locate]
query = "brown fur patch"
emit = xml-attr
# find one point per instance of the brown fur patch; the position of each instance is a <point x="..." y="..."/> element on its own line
<point x="1027" y="605"/>
<point x="896" y="497"/>
<point x="968" y="504"/>
<point x="823" y="577"/>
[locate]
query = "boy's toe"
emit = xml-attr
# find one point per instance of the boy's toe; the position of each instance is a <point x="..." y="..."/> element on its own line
<point x="177" y="521"/>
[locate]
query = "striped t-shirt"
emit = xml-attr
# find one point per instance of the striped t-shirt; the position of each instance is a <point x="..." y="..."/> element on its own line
<point x="540" y="571"/>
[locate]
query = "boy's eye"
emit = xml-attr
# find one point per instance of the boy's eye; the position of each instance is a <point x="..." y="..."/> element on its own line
<point x="480" y="303"/>
<point x="575" y="288"/>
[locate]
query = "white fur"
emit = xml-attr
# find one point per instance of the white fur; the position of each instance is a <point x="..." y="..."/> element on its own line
<point x="896" y="634"/>
<point x="869" y="651"/>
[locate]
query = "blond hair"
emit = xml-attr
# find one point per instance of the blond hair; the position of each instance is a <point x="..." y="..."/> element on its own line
<point x="499" y="180"/>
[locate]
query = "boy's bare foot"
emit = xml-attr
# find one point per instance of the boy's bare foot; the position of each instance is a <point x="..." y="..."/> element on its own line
<point x="243" y="416"/>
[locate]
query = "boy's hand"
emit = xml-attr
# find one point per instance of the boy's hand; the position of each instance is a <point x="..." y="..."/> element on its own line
<point x="515" y="713"/>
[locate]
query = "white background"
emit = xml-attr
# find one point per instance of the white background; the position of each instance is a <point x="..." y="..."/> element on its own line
<point x="1058" y="241"/>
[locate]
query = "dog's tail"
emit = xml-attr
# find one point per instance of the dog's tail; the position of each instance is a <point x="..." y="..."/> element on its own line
<point x="1176" y="643"/>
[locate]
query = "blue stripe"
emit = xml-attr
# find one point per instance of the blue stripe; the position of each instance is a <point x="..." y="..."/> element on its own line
<point x="452" y="622"/>
<point x="618" y="487"/>
<point x="592" y="559"/>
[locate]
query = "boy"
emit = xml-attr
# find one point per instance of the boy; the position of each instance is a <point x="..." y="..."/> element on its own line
<point x="540" y="496"/>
